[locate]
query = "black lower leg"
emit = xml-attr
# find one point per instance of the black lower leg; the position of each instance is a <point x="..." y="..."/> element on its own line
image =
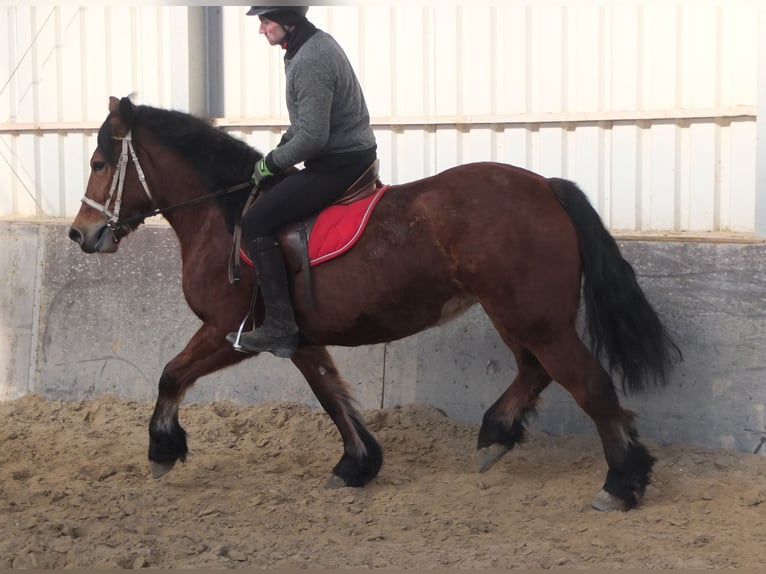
<point x="502" y="430"/>
<point x="167" y="439"/>
<point x="630" y="471"/>
<point x="360" y="470"/>
<point x="167" y="443"/>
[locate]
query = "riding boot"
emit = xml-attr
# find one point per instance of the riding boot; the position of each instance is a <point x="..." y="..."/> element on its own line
<point x="278" y="334"/>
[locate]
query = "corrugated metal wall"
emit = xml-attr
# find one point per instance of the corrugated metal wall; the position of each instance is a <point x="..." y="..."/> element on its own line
<point x="58" y="65"/>
<point x="649" y="107"/>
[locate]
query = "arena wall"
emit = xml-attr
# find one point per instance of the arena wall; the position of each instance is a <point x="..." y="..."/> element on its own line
<point x="75" y="326"/>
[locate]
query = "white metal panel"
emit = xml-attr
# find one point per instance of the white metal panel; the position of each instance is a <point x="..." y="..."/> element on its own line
<point x="447" y="64"/>
<point x="25" y="198"/>
<point x="76" y="147"/>
<point x="627" y="213"/>
<point x="661" y="185"/>
<point x="584" y="56"/>
<point x="586" y="151"/>
<point x="61" y="65"/>
<point x="739" y="54"/>
<point x="490" y="61"/>
<point x="596" y="92"/>
<point x="546" y="73"/>
<point x="699" y="161"/>
<point x="660" y="52"/>
<point x="511" y="38"/>
<point x="375" y="68"/>
<point x="738" y="177"/>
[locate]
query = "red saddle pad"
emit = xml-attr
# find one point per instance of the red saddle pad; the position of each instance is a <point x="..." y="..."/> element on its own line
<point x="337" y="228"/>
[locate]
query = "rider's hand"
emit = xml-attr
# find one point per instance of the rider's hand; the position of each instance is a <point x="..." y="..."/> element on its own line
<point x="261" y="171"/>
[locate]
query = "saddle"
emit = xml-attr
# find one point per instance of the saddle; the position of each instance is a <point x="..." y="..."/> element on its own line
<point x="294" y="237"/>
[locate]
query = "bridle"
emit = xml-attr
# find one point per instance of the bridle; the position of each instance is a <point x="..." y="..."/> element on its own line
<point x="121" y="227"/>
<point x="118" y="183"/>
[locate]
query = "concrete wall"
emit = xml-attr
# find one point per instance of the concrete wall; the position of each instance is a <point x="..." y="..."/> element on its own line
<point x="75" y="326"/>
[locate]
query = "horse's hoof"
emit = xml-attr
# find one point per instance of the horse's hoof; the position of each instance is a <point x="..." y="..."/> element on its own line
<point x="335" y="482"/>
<point x="605" y="502"/>
<point x="489" y="455"/>
<point x="160" y="469"/>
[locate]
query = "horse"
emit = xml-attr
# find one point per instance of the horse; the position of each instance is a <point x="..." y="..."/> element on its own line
<point x="524" y="247"/>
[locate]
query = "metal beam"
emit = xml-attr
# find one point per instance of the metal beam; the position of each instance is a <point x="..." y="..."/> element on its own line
<point x="739" y="113"/>
<point x="214" y="80"/>
<point x="760" y="153"/>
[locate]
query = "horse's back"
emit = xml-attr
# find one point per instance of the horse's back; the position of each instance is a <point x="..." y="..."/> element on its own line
<point x="486" y="232"/>
<point x="495" y="209"/>
<point x="480" y="193"/>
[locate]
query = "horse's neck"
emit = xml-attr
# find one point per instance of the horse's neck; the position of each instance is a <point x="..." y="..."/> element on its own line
<point x="199" y="227"/>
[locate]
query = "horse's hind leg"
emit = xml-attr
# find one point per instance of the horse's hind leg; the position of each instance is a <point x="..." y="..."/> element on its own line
<point x="503" y="425"/>
<point x="362" y="455"/>
<point x="573" y="366"/>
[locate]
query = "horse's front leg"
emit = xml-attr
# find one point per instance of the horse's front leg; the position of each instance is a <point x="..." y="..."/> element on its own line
<point x="206" y="352"/>
<point x="362" y="455"/>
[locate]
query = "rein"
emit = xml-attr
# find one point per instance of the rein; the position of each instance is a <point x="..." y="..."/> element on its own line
<point x="116" y="225"/>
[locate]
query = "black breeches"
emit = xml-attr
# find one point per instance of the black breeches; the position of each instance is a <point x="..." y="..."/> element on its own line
<point x="298" y="196"/>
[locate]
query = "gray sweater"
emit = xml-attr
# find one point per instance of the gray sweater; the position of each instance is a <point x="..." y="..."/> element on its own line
<point x="327" y="110"/>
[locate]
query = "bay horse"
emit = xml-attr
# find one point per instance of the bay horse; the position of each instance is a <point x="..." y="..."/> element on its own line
<point x="522" y="246"/>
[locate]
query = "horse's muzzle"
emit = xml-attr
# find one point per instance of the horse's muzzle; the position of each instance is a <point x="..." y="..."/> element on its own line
<point x="99" y="239"/>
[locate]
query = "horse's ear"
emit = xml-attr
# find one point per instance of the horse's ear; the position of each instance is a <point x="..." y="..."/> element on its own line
<point x="126" y="111"/>
<point x="120" y="115"/>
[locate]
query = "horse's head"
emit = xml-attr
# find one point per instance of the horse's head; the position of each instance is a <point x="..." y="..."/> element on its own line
<point x="150" y="161"/>
<point x="116" y="185"/>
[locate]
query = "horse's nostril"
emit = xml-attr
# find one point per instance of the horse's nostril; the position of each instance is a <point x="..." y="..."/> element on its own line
<point x="75" y="235"/>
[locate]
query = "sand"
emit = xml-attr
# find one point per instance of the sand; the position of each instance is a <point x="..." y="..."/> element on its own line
<point x="75" y="491"/>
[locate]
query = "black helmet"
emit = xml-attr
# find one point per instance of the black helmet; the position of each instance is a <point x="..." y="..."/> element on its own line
<point x="299" y="11"/>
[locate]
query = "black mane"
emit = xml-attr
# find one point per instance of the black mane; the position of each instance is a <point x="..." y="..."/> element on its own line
<point x="220" y="159"/>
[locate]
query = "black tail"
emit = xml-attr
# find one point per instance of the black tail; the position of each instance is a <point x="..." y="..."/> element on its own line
<point x="622" y="325"/>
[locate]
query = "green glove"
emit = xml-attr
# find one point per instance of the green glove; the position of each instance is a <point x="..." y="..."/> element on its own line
<point x="261" y="171"/>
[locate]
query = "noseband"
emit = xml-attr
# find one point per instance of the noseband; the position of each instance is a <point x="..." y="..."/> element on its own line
<point x="118" y="183"/>
<point x="121" y="227"/>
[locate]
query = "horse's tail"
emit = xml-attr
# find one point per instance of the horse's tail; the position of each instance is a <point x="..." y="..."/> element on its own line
<point x="622" y="325"/>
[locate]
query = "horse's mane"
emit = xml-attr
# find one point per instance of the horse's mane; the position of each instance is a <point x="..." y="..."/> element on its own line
<point x="220" y="159"/>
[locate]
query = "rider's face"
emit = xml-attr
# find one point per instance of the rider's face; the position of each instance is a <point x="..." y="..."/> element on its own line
<point x="273" y="31"/>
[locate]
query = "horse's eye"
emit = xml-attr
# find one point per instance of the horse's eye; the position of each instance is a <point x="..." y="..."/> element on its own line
<point x="98" y="165"/>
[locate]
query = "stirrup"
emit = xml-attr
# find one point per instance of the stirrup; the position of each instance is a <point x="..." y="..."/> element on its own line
<point x="236" y="342"/>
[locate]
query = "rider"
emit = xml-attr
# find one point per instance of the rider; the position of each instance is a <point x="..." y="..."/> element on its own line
<point x="329" y="132"/>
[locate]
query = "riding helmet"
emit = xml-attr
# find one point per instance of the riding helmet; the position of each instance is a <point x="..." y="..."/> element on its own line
<point x="276" y="13"/>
